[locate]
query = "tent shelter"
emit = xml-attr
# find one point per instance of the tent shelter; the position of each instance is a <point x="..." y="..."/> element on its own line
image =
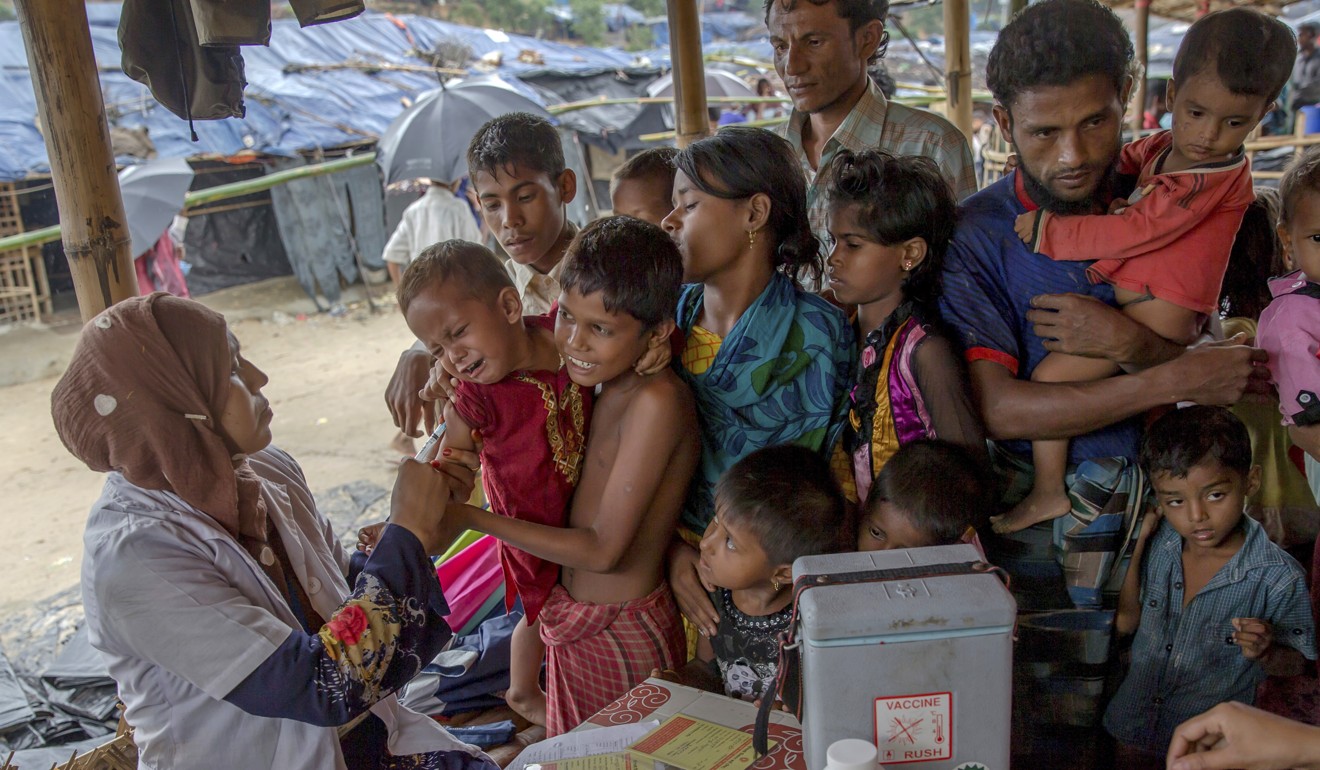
<point x="1190" y="10"/>
<point x="62" y="49"/>
<point x="297" y="101"/>
<point x="333" y="88"/>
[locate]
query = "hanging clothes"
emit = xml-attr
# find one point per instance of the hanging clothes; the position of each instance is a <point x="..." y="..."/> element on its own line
<point x="161" y="50"/>
<point x="186" y="51"/>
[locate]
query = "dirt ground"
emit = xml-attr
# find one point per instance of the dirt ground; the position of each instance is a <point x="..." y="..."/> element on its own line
<point x="327" y="380"/>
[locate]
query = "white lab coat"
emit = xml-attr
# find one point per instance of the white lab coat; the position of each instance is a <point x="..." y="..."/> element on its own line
<point x="182" y="614"/>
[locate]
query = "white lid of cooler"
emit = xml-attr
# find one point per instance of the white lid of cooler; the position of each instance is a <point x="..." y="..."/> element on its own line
<point x="908" y="607"/>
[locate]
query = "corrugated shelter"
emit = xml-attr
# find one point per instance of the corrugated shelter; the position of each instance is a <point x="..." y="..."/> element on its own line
<point x="318" y="87"/>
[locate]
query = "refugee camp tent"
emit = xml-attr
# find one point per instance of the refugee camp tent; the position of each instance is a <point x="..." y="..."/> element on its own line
<point x="313" y="89"/>
<point x="318" y="87"/>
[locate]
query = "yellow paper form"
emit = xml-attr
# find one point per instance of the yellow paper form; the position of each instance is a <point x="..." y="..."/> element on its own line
<point x="693" y="744"/>
<point x="618" y="761"/>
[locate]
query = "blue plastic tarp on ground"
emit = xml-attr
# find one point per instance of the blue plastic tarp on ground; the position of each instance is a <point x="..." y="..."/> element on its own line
<point x="287" y="111"/>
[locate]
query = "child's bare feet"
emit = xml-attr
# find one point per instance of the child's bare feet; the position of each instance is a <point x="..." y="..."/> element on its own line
<point x="529" y="705"/>
<point x="1040" y="505"/>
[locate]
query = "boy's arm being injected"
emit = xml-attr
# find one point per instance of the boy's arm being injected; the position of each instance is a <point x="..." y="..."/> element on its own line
<point x="1129" y="596"/>
<point x="648" y="432"/>
<point x="459" y="453"/>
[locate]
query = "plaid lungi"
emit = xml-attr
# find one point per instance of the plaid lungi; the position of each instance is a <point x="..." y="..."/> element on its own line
<point x="597" y="652"/>
<point x="1094" y="539"/>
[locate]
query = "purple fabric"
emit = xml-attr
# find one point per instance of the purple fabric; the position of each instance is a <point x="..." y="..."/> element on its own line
<point x="910" y="419"/>
<point x="905" y="404"/>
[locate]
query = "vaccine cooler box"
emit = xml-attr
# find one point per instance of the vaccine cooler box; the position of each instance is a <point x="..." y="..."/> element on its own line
<point x="917" y="662"/>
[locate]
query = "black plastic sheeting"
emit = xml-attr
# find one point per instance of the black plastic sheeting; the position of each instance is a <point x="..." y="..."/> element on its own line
<point x="322" y="218"/>
<point x="235" y="246"/>
<point x="612" y="127"/>
<point x="72" y="700"/>
<point x="79" y="681"/>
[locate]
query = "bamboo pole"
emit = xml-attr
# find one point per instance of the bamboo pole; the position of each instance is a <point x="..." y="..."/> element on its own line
<point x="260" y="184"/>
<point x="72" y="114"/>
<point x="210" y="195"/>
<point x="601" y="101"/>
<point x="958" y="64"/>
<point x="692" y="120"/>
<point x="1142" y="8"/>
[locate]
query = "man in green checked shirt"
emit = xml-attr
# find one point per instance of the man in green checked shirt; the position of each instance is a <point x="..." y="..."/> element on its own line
<point x="821" y="50"/>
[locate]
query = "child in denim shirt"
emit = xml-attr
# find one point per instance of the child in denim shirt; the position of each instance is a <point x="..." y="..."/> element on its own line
<point x="1215" y="605"/>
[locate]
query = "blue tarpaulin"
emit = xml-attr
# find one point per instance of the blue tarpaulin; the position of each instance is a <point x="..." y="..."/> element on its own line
<point x="287" y="110"/>
<point x="619" y="16"/>
<point x="718" y="25"/>
<point x="317" y="87"/>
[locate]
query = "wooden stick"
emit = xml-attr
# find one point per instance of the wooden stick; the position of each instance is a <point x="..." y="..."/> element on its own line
<point x="204" y="211"/>
<point x="375" y="67"/>
<point x="1142" y="36"/>
<point x="689" y="71"/>
<point x="601" y="101"/>
<point x="210" y="194"/>
<point x="59" y="50"/>
<point x="958" y="64"/>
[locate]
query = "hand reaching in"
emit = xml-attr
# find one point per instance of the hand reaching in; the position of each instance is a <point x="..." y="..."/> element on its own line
<point x="369" y="535"/>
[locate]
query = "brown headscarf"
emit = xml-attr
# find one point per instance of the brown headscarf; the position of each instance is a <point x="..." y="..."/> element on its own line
<point x="142" y="396"/>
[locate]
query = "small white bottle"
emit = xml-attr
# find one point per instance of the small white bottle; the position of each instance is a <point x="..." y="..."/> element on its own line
<point x="852" y="754"/>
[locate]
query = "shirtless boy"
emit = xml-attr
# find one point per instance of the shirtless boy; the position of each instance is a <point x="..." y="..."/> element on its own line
<point x="612" y="619"/>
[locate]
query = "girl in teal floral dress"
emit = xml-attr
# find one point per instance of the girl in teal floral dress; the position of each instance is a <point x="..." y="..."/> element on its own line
<point x="769" y="363"/>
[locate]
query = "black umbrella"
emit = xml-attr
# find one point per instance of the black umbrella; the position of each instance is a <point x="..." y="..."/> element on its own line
<point x="430" y="139"/>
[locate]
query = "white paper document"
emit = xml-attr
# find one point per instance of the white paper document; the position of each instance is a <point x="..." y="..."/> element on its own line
<point x="586" y="743"/>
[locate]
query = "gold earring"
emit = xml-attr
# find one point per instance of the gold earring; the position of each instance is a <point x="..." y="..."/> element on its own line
<point x="751" y="238"/>
<point x="774" y="584"/>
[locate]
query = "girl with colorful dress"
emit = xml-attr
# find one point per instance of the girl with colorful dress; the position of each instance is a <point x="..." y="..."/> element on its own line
<point x="890" y="220"/>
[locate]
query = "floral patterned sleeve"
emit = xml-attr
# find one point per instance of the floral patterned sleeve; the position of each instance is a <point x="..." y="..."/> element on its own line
<point x="379" y="638"/>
